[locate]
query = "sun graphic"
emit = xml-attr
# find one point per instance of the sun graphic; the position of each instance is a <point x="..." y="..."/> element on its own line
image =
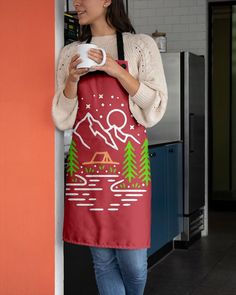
<point x="116" y="118"/>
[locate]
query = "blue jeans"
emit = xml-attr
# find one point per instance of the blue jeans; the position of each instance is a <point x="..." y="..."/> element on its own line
<point x="120" y="271"/>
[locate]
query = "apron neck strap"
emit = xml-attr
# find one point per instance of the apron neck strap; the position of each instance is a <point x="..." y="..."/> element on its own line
<point x="120" y="45"/>
<point x="89" y="39"/>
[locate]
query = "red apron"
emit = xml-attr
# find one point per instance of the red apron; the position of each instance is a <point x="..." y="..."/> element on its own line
<point x="108" y="181"/>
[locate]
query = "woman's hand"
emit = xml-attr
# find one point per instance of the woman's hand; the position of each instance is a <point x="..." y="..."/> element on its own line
<point x="70" y="90"/>
<point x="111" y="67"/>
<point x="74" y="73"/>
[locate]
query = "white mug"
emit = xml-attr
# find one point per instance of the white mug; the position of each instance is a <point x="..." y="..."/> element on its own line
<point x="83" y="49"/>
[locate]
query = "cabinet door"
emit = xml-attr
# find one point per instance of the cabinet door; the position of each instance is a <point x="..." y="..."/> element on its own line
<point x="159" y="227"/>
<point x="79" y="276"/>
<point x="174" y="189"/>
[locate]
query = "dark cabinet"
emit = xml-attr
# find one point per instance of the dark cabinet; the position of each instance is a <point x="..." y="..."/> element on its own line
<point x="167" y="194"/>
<point x="159" y="227"/>
<point x="79" y="277"/>
<point x="174" y="189"/>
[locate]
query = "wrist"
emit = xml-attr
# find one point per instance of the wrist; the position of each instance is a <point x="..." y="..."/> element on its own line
<point x="72" y="81"/>
<point x="70" y="90"/>
<point x="122" y="74"/>
<point x="130" y="84"/>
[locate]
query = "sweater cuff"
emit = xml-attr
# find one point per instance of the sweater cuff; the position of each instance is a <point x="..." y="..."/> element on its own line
<point x="66" y="103"/>
<point x="144" y="97"/>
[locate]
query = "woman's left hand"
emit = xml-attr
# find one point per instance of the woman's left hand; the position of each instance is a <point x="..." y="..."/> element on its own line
<point x="111" y="67"/>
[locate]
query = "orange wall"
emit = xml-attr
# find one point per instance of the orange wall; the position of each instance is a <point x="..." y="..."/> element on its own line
<point x="27" y="147"/>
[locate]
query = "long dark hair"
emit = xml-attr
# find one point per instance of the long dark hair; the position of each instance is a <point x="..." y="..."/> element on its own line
<point x="115" y="17"/>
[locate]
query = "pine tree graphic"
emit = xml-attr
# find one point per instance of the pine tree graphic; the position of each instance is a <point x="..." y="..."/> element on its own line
<point x="72" y="159"/>
<point x="145" y="173"/>
<point x="129" y="164"/>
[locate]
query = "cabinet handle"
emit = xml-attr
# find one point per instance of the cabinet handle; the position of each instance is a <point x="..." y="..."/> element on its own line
<point x="152" y="154"/>
<point x="191" y="133"/>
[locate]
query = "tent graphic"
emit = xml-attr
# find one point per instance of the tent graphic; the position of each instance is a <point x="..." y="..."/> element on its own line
<point x="101" y="158"/>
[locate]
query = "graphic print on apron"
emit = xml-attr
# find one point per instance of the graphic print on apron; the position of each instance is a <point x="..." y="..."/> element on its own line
<point x="108" y="168"/>
<point x="122" y="177"/>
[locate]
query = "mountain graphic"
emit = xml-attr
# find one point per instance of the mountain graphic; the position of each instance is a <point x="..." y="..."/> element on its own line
<point x="89" y="125"/>
<point x="120" y="135"/>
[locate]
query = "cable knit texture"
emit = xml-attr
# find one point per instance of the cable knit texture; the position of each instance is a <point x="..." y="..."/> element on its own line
<point x="149" y="103"/>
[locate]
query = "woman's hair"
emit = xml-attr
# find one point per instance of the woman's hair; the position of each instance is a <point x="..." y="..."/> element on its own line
<point x="116" y="17"/>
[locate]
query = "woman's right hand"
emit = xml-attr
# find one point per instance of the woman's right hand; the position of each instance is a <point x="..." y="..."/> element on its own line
<point x="74" y="73"/>
<point x="70" y="90"/>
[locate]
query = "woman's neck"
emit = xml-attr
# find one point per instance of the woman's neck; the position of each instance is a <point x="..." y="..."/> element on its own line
<point x="101" y="29"/>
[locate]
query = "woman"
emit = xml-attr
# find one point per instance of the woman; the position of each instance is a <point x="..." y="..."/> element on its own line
<point x="108" y="183"/>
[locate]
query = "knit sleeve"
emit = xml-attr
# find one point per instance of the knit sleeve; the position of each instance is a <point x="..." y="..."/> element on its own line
<point x="150" y="100"/>
<point x="63" y="109"/>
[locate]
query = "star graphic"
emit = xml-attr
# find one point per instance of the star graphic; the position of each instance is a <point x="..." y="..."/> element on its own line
<point x="87" y="106"/>
<point x="131" y="127"/>
<point x="102" y="104"/>
<point x="100" y="95"/>
<point x="112" y="96"/>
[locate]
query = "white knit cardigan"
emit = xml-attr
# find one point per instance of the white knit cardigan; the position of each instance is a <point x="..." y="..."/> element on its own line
<point x="149" y="103"/>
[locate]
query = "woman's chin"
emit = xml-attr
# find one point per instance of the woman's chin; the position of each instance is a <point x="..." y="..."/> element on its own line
<point x="83" y="22"/>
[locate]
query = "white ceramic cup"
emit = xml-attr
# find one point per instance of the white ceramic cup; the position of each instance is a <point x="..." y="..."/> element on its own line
<point x="86" y="61"/>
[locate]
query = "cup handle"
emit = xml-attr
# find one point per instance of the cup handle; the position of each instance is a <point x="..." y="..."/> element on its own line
<point x="102" y="63"/>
